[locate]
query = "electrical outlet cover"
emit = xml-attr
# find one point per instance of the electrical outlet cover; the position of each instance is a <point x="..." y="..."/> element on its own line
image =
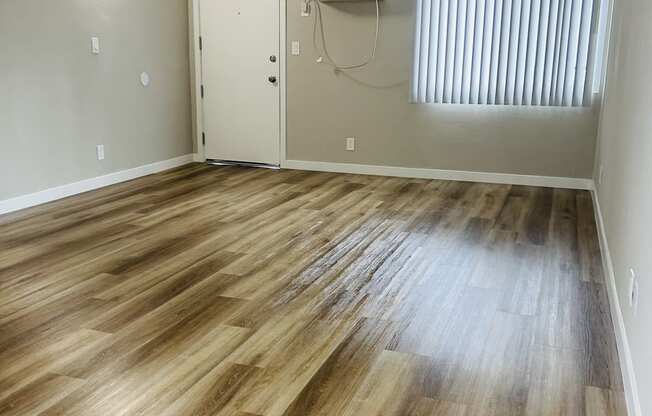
<point x="601" y="175"/>
<point x="100" y="152"/>
<point x="633" y="289"/>
<point x="635" y="296"/>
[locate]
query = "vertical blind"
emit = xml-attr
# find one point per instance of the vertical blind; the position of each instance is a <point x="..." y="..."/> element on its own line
<point x="512" y="52"/>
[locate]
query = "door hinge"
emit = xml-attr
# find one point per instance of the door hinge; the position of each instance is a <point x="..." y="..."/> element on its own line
<point x="201" y="44"/>
<point x="203" y="139"/>
<point x="202" y="91"/>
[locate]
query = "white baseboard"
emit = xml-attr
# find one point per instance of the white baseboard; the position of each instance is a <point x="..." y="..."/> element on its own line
<point x="624" y="353"/>
<point x="63" y="191"/>
<point x="454" y="175"/>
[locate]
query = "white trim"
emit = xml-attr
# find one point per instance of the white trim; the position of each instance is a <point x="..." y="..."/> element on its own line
<point x="283" y="82"/>
<point x="604" y="26"/>
<point x="63" y="191"/>
<point x="455" y="175"/>
<point x="624" y="353"/>
<point x="195" y="66"/>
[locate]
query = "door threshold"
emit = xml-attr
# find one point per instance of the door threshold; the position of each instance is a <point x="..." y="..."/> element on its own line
<point x="219" y="162"/>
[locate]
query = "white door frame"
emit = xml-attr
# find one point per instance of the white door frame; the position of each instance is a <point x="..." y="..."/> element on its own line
<point x="196" y="80"/>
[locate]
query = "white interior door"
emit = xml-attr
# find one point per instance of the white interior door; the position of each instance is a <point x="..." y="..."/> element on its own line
<point x="240" y="78"/>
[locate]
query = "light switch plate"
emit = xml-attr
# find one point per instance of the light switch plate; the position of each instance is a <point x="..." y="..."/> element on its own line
<point x="95" y="45"/>
<point x="296" y="48"/>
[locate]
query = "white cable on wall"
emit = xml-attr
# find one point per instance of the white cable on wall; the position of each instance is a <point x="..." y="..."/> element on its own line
<point x="323" y="50"/>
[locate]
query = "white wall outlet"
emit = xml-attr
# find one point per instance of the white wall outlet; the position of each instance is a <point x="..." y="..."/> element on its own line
<point x="305" y="8"/>
<point x="296" y="48"/>
<point x="350" y="144"/>
<point x="633" y="290"/>
<point x="100" y="152"/>
<point x="95" y="45"/>
<point x="601" y="174"/>
<point x="635" y="296"/>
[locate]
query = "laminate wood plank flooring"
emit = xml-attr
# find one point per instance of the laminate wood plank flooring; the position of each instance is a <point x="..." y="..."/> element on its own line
<point x="234" y="291"/>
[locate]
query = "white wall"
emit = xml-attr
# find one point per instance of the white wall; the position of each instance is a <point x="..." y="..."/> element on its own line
<point x="373" y="105"/>
<point x="58" y="101"/>
<point x="625" y="153"/>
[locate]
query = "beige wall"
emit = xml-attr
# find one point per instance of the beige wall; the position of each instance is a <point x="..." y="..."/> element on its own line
<point x="625" y="152"/>
<point x="58" y="101"/>
<point x="325" y="108"/>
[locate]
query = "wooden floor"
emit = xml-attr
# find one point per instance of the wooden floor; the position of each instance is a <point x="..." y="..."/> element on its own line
<point x="235" y="291"/>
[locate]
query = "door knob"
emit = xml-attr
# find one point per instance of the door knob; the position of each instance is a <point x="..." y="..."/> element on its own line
<point x="272" y="58"/>
<point x="272" y="79"/>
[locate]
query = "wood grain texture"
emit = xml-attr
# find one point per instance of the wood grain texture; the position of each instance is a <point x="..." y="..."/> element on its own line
<point x="234" y="291"/>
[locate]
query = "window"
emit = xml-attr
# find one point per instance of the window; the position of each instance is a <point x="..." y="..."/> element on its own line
<point x="511" y="52"/>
